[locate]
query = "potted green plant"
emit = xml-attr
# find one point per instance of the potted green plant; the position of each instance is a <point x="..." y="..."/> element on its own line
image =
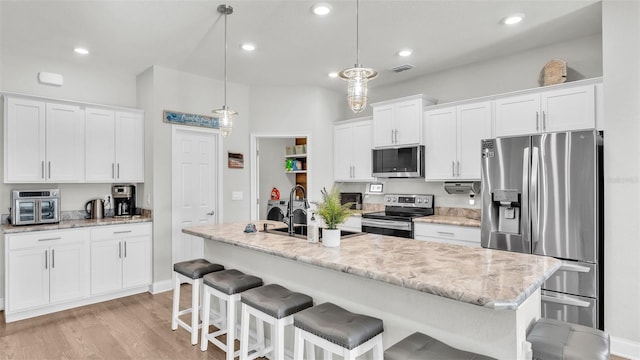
<point x="333" y="213"/>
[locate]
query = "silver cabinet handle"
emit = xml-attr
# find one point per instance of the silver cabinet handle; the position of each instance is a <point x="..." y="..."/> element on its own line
<point x="118" y="170"/>
<point x="46" y="259"/>
<point x="537" y="121"/>
<point x="565" y="301"/>
<point x="49" y="169"/>
<point x="125" y="249"/>
<point x="49" y="239"/>
<point x="453" y="168"/>
<point x="446" y="233"/>
<point x="53" y="258"/>
<point x="396" y="135"/>
<point x="120" y="250"/>
<point x="122" y="232"/>
<point x="458" y="163"/>
<point x="113" y="170"/>
<point x="544" y="121"/>
<point x="42" y="165"/>
<point x="392" y="136"/>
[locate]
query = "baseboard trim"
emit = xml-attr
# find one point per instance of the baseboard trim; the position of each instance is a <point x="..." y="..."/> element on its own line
<point x="625" y="348"/>
<point x="161" y="286"/>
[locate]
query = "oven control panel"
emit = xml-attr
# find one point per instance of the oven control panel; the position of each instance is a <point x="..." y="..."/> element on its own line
<point x="404" y="200"/>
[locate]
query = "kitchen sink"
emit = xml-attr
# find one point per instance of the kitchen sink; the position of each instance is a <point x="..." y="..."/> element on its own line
<point x="300" y="231"/>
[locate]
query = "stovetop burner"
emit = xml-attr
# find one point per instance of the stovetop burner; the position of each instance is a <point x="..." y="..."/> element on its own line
<point x="404" y="207"/>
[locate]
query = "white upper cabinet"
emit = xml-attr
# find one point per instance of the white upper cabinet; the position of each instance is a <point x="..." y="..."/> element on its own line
<point x="452" y="140"/>
<point x="115" y="146"/>
<point x="560" y="109"/>
<point x="352" y="151"/>
<point x="44" y="142"/>
<point x="399" y="122"/>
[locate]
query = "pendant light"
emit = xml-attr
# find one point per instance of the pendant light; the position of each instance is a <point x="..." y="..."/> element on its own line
<point x="357" y="77"/>
<point x="225" y="115"/>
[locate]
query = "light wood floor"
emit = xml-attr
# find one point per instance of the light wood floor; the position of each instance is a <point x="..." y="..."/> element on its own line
<point x="135" y="327"/>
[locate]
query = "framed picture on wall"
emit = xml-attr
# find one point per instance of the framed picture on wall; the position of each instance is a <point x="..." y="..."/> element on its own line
<point x="236" y="160"/>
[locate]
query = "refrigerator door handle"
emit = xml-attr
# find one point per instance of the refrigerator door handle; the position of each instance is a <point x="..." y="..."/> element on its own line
<point x="565" y="301"/>
<point x="524" y="220"/>
<point x="533" y="198"/>
<point x="574" y="268"/>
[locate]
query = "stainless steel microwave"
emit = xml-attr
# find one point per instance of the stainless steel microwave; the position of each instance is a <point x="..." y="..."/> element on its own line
<point x="30" y="207"/>
<point x="401" y="162"/>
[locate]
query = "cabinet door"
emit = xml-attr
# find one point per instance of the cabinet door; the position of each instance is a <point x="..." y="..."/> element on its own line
<point x="474" y="124"/>
<point x="361" y="146"/>
<point x="28" y="278"/>
<point x="106" y="266"/>
<point x="64" y="143"/>
<point x="518" y="115"/>
<point x="342" y="152"/>
<point x="383" y="125"/>
<point x="100" y="143"/>
<point x="409" y="122"/>
<point x="24" y="138"/>
<point x="569" y="109"/>
<point x="129" y="147"/>
<point x="136" y="261"/>
<point x="69" y="274"/>
<point x="440" y="144"/>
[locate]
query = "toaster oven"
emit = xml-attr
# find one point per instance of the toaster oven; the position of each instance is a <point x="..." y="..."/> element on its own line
<point x="29" y="207"/>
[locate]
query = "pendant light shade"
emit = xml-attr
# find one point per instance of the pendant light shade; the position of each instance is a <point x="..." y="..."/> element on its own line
<point x="357" y="77"/>
<point x="225" y="115"/>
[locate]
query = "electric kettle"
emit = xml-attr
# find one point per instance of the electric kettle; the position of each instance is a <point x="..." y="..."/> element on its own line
<point x="94" y="209"/>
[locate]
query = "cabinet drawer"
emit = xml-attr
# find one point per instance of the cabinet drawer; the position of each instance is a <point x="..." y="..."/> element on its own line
<point x="453" y="232"/>
<point x="120" y="231"/>
<point x="42" y="238"/>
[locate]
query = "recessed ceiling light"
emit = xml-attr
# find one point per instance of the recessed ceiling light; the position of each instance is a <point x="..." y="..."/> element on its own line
<point x="321" y="9"/>
<point x="405" y="52"/>
<point x="513" y="19"/>
<point x="248" y="47"/>
<point x="81" y="51"/>
<point x="333" y="74"/>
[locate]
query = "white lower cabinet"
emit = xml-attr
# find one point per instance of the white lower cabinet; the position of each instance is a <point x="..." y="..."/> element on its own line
<point x="46" y="268"/>
<point x="120" y="257"/>
<point x="353" y="223"/>
<point x="449" y="234"/>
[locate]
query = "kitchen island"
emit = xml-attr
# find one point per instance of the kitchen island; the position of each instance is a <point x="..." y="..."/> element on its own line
<point x="474" y="299"/>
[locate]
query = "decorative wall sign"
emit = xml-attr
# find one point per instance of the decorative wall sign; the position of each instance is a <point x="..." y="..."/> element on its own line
<point x="236" y="160"/>
<point x="174" y="117"/>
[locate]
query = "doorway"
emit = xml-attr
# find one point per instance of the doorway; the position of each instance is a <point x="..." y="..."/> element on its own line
<point x="195" y="187"/>
<point x="278" y="161"/>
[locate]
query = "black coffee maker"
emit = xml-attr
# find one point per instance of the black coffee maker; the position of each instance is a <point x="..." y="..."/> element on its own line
<point x="124" y="199"/>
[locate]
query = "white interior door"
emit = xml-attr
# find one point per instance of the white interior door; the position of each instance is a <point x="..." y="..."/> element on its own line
<point x="195" y="188"/>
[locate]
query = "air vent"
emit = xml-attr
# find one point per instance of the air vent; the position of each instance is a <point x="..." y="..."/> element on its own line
<point x="402" y="68"/>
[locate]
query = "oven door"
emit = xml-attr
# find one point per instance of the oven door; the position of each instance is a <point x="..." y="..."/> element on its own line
<point x="388" y="227"/>
<point x="48" y="211"/>
<point x="24" y="212"/>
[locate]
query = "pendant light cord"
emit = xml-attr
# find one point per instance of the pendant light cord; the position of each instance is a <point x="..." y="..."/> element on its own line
<point x="357" y="34"/>
<point x="226" y="11"/>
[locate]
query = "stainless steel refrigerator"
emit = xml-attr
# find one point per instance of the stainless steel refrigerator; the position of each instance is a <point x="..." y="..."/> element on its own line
<point x="542" y="195"/>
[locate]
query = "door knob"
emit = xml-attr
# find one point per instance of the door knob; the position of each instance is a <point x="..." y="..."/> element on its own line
<point x="211" y="213"/>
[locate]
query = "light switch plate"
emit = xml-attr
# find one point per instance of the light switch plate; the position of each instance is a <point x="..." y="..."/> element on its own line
<point x="236" y="195"/>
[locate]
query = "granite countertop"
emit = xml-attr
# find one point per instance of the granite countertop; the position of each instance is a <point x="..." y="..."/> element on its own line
<point x="491" y="278"/>
<point x="449" y="220"/>
<point x="77" y="223"/>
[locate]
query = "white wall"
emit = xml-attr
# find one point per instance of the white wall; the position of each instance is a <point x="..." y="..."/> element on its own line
<point x="271" y="171"/>
<point x="301" y="110"/>
<point x="621" y="48"/>
<point x="167" y="89"/>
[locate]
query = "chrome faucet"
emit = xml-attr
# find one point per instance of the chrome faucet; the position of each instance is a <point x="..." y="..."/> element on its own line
<point x="289" y="218"/>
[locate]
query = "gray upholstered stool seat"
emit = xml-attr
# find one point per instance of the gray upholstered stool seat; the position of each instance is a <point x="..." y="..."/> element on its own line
<point x="196" y="268"/>
<point x="558" y="340"/>
<point x="336" y="331"/>
<point x="276" y="301"/>
<point x="190" y="272"/>
<point x="419" y="346"/>
<point x="273" y="305"/>
<point x="231" y="281"/>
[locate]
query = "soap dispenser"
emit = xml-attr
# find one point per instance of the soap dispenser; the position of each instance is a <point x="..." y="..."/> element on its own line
<point x="312" y="230"/>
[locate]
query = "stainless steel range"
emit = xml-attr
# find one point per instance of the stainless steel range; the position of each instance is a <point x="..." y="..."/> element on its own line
<point x="397" y="217"/>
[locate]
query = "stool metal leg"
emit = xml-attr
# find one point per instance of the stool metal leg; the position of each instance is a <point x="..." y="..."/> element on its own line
<point x="176" y="303"/>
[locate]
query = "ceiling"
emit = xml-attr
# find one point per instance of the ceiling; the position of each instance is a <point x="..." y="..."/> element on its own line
<point x="293" y="46"/>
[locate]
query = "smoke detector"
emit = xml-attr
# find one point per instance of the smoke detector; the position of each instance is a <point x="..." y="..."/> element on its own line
<point x="402" y="68"/>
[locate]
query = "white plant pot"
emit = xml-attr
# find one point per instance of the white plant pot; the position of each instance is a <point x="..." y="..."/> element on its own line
<point x="331" y="238"/>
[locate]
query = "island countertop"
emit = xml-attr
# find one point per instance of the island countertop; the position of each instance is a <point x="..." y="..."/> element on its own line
<point x="491" y="278"/>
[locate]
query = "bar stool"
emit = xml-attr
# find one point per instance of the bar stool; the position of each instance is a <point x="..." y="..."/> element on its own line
<point x="274" y="305"/>
<point x="559" y="340"/>
<point x="190" y="272"/>
<point x="421" y="346"/>
<point x="338" y="331"/>
<point x="227" y="286"/>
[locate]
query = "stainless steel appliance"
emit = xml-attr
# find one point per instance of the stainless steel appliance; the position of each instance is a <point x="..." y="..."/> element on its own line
<point x="403" y="162"/>
<point x="351" y="197"/>
<point x="29" y="207"/>
<point x="124" y="199"/>
<point x="397" y="217"/>
<point x="94" y="209"/>
<point x="543" y="195"/>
